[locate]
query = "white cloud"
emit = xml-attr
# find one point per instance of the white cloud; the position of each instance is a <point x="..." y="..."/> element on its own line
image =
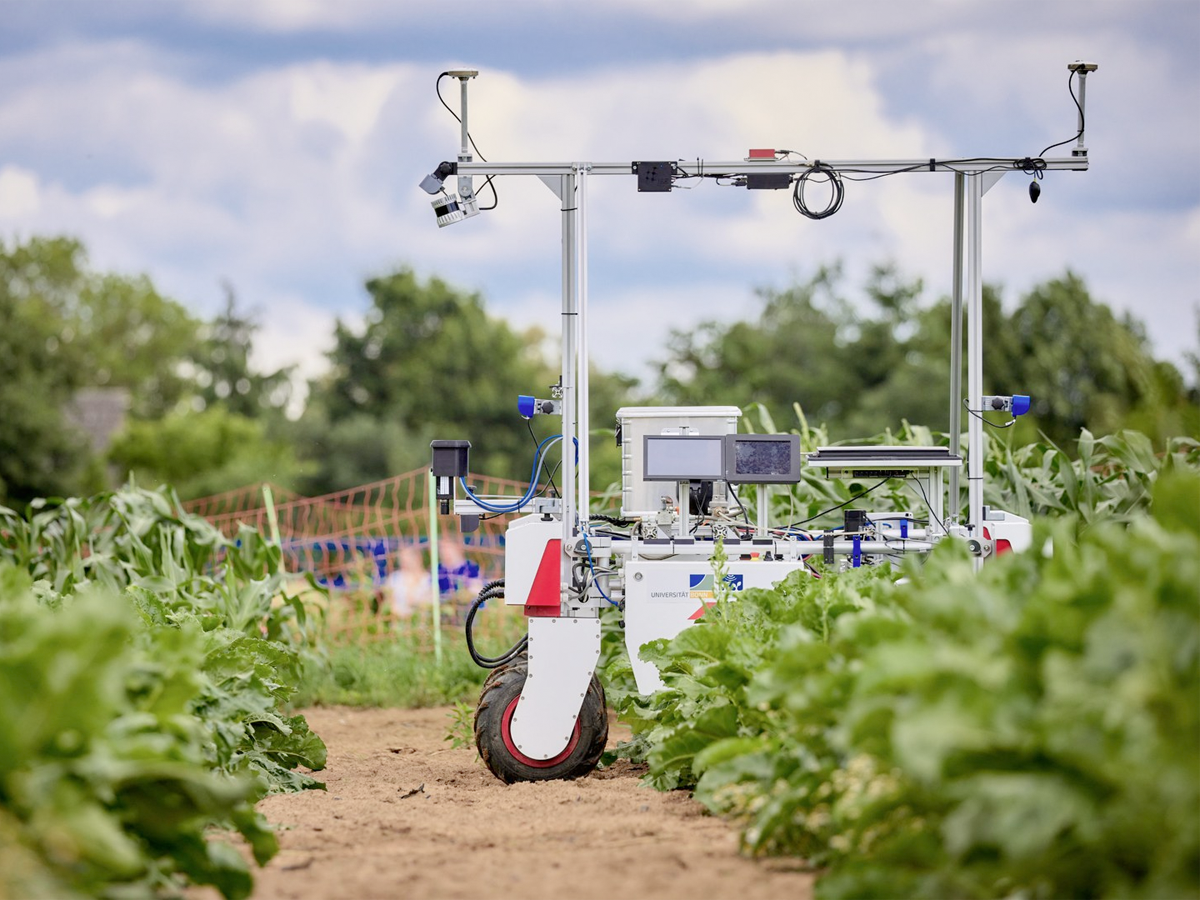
<point x="801" y="22"/>
<point x="348" y="98"/>
<point x="294" y="333"/>
<point x="297" y="181"/>
<point x="20" y="196"/>
<point x="1144" y="263"/>
<point x="821" y="103"/>
<point x="293" y="15"/>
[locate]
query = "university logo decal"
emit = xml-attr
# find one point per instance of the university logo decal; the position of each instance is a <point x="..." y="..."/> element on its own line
<point x="700" y="587"/>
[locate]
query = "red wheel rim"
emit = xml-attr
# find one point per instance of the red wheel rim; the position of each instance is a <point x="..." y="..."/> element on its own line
<point x="506" y="733"/>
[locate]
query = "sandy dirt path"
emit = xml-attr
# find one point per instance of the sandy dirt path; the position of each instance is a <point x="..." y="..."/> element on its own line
<point x="405" y="816"/>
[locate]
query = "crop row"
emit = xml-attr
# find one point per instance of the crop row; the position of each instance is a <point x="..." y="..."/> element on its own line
<point x="1030" y="730"/>
<point x="145" y="664"/>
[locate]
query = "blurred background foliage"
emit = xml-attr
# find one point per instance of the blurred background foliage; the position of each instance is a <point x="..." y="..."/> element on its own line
<point x="102" y="377"/>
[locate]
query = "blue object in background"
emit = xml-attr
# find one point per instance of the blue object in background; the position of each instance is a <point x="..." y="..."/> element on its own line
<point x="450" y="580"/>
<point x="357" y="562"/>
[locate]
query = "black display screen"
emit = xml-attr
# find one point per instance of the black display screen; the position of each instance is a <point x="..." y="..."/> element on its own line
<point x="762" y="458"/>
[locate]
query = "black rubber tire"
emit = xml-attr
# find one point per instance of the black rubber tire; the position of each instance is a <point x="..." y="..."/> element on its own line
<point x="582" y="753"/>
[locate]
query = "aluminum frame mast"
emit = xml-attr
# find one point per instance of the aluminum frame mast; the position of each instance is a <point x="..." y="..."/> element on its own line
<point x="973" y="177"/>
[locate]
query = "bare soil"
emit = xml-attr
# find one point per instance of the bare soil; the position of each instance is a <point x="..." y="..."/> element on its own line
<point x="407" y="816"/>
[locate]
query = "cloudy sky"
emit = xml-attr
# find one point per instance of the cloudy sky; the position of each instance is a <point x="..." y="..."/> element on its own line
<point x="277" y="145"/>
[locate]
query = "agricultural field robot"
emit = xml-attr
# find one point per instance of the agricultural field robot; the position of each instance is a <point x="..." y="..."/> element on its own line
<point x="684" y="470"/>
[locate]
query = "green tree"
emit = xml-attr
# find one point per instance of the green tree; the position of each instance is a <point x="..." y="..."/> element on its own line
<point x="917" y="388"/>
<point x="433" y="362"/>
<point x="811" y="346"/>
<point x="202" y="453"/>
<point x="131" y="336"/>
<point x="64" y="327"/>
<point x="40" y="368"/>
<point x="863" y="372"/>
<point x="792" y="353"/>
<point x="124" y="332"/>
<point x="609" y="392"/>
<point x="1085" y="367"/>
<point x="359" y="449"/>
<point x="221" y="370"/>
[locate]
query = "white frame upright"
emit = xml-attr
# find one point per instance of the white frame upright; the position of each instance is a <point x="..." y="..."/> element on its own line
<point x="569" y="180"/>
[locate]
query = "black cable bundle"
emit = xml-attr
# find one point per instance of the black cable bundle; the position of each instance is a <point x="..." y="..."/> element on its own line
<point x="836" y="186"/>
<point x="493" y="590"/>
<point x="611" y="520"/>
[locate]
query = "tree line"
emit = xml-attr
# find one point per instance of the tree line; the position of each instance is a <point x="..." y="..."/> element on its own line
<point x="431" y="361"/>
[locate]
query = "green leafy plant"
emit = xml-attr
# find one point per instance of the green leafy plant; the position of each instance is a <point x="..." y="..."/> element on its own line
<point x="1107" y="479"/>
<point x="158" y="658"/>
<point x="1025" y="731"/>
<point x="105" y="774"/>
<point x="1110" y="479"/>
<point x="461" y="730"/>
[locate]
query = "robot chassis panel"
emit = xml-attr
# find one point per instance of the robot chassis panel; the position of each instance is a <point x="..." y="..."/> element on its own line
<point x="541" y="714"/>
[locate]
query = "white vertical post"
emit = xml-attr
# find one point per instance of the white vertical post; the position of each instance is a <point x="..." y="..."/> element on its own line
<point x="435" y="589"/>
<point x="582" y="408"/>
<point x="935" y="499"/>
<point x="272" y="518"/>
<point x="466" y="184"/>
<point x="1080" y="147"/>
<point x="974" y="300"/>
<point x="761" y="502"/>
<point x="569" y="330"/>
<point x="956" y="314"/>
<point x="683" y="493"/>
<point x="464" y="153"/>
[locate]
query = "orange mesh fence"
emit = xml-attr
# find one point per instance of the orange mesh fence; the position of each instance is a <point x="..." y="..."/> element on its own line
<point x="239" y="500"/>
<point x="370" y="546"/>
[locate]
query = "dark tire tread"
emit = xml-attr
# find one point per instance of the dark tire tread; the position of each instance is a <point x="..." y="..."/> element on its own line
<point x="505" y="683"/>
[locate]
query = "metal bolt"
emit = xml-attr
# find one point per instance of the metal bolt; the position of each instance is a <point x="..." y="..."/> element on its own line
<point x="637" y="576"/>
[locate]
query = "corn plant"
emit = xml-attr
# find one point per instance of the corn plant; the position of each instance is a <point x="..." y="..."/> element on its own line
<point x="1108" y="478"/>
<point x="183" y="649"/>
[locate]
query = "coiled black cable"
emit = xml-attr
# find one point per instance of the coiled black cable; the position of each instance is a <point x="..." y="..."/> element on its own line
<point x="493" y="590"/>
<point x="838" y="191"/>
<point x="1035" y="167"/>
<point x="611" y="520"/>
